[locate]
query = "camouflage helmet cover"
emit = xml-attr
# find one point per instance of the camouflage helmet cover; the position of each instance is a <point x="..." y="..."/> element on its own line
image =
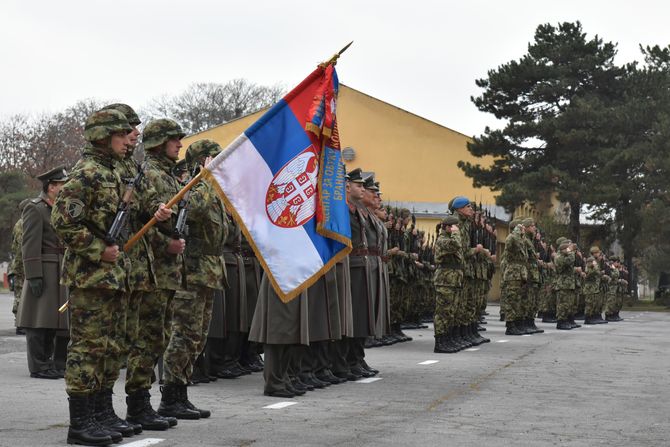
<point x="103" y="123"/>
<point x="159" y="131"/>
<point x="202" y="148"/>
<point x="132" y="117"/>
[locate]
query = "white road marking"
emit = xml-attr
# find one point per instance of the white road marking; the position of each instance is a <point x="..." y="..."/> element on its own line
<point x="428" y="362"/>
<point x="144" y="442"/>
<point x="526" y="335"/>
<point x="280" y="405"/>
<point x="368" y="380"/>
<point x="502" y="341"/>
<point x="472" y="349"/>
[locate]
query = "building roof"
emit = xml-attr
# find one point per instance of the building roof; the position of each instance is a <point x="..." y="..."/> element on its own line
<point x="438" y="210"/>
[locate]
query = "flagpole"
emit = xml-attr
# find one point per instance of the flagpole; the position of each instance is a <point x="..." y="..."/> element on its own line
<point x="173" y="201"/>
<point x="336" y="56"/>
<point x="136" y="237"/>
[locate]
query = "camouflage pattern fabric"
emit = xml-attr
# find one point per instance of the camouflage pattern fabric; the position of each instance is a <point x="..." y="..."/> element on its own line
<point x="192" y="311"/>
<point x="146" y="335"/>
<point x="159" y="186"/>
<point x="448" y="280"/>
<point x="565" y="284"/>
<point x="514" y="276"/>
<point x="16" y="265"/>
<point x="611" y="298"/>
<point x="92" y="338"/>
<point x="564" y="303"/>
<point x="81" y="215"/>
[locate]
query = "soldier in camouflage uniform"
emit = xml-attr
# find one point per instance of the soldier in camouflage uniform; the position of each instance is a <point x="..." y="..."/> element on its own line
<point x="448" y="280"/>
<point x="138" y="346"/>
<point x="15" y="273"/>
<point x="162" y="141"/>
<point x="614" y="294"/>
<point x="96" y="274"/>
<point x="532" y="298"/>
<point x="591" y="289"/>
<point x="467" y="316"/>
<point x="565" y="283"/>
<point x="205" y="273"/>
<point x="514" y="278"/>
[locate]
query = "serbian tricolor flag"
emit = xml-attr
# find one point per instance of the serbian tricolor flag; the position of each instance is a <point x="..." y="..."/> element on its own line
<point x="283" y="181"/>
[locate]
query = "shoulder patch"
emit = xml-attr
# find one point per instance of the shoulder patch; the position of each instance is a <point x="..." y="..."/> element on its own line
<point x="75" y="208"/>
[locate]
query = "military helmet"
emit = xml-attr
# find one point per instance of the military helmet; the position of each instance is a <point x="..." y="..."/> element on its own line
<point x="560" y="240"/>
<point x="451" y="220"/>
<point x="159" y="131"/>
<point x="103" y="123"/>
<point x="201" y="149"/>
<point x="132" y="117"/>
<point x="595" y="249"/>
<point x="528" y="222"/>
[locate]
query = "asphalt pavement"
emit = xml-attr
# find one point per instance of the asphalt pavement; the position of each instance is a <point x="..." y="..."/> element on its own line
<point x="597" y="385"/>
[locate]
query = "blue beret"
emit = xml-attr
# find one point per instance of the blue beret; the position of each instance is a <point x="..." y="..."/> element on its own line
<point x="459" y="202"/>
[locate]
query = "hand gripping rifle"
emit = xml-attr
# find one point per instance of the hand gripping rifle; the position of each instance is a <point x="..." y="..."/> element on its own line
<point x="180" y="228"/>
<point x="123" y="211"/>
<point x="121" y="218"/>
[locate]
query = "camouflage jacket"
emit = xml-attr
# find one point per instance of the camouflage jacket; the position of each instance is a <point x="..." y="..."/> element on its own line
<point x="565" y="271"/>
<point x="16" y="265"/>
<point x="516" y="258"/>
<point x="614" y="282"/>
<point x="466" y="246"/>
<point x="592" y="280"/>
<point x="142" y="275"/>
<point x="207" y="232"/>
<point x="82" y="213"/>
<point x="533" y="266"/>
<point x="159" y="186"/>
<point x="449" y="260"/>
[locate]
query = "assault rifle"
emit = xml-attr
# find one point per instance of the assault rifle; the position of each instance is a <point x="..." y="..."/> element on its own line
<point x="121" y="218"/>
<point x="180" y="228"/>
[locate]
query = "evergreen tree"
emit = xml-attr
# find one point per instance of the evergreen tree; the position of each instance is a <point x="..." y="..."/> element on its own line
<point x="554" y="101"/>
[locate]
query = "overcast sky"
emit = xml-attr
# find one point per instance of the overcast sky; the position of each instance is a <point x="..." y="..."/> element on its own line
<point x="423" y="56"/>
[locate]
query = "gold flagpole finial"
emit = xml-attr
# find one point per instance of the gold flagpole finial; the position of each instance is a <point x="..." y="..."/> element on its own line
<point x="336" y="56"/>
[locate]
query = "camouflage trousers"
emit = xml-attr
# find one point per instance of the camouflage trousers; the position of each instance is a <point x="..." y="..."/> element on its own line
<point x="445" y="308"/>
<point x="565" y="303"/>
<point x="548" y="299"/>
<point x="192" y="312"/>
<point x="467" y="311"/>
<point x="113" y="364"/>
<point x="581" y="303"/>
<point x="531" y="303"/>
<point x="17" y="297"/>
<point x="611" y="303"/>
<point x="396" y="292"/>
<point x="483" y="286"/>
<point x="591" y="302"/>
<point x="511" y="296"/>
<point x="146" y="340"/>
<point x="93" y="338"/>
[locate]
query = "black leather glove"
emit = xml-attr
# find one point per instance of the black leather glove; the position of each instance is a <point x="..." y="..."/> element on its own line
<point x="36" y="286"/>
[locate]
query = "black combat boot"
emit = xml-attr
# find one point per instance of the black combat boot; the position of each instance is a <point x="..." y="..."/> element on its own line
<point x="449" y="342"/>
<point x="502" y="316"/>
<point x="204" y="414"/>
<point x="549" y="317"/>
<point x="454" y="339"/>
<point x="99" y="415"/>
<point x="520" y="325"/>
<point x="141" y="412"/>
<point x="442" y="346"/>
<point x="599" y="319"/>
<point x="512" y="328"/>
<point x="571" y="320"/>
<point x="470" y="335"/>
<point x="105" y="415"/>
<point x="590" y="319"/>
<point x="617" y="317"/>
<point x="563" y="325"/>
<point x="531" y="326"/>
<point x="83" y="428"/>
<point x="478" y="337"/>
<point x="171" y="404"/>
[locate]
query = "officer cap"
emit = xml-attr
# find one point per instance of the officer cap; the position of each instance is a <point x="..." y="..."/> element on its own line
<point x="528" y="222"/>
<point x="369" y="183"/>
<point x="57" y="174"/>
<point x="104" y="123"/>
<point x="201" y="149"/>
<point x="356" y="176"/>
<point x="451" y="220"/>
<point x="159" y="131"/>
<point x="458" y="202"/>
<point x="595" y="249"/>
<point x="564" y="245"/>
<point x="131" y="116"/>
